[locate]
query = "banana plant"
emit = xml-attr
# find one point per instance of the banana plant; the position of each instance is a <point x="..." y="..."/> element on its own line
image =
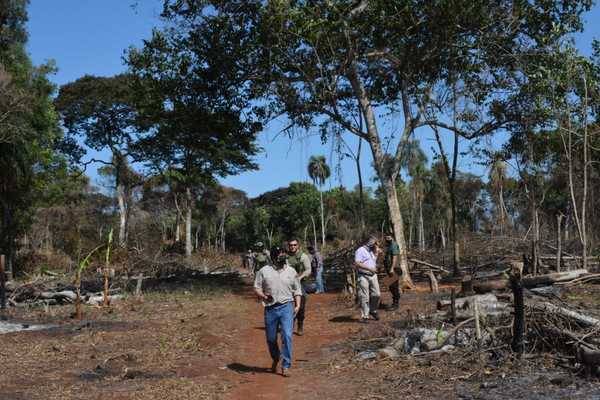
<point x="83" y="264"/>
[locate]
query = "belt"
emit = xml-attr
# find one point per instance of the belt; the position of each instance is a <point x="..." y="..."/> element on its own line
<point x="366" y="273"/>
<point x="277" y="304"/>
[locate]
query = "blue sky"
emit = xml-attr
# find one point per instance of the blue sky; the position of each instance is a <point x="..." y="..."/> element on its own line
<point x="89" y="37"/>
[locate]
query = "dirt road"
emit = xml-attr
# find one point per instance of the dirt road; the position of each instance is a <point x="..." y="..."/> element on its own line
<point x="328" y="322"/>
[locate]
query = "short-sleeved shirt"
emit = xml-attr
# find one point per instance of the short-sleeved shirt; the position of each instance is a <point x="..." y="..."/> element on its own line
<point x="366" y="257"/>
<point x="392" y="250"/>
<point x="282" y="284"/>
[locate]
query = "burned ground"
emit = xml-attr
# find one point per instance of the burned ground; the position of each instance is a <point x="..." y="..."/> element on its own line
<point x="206" y="341"/>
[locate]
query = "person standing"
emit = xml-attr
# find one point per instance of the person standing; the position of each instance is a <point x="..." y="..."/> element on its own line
<point x="365" y="262"/>
<point x="316" y="263"/>
<point x="390" y="262"/>
<point x="262" y="256"/>
<point x="300" y="261"/>
<point x="278" y="287"/>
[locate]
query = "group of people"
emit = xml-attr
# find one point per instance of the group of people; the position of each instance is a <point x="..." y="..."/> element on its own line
<point x="282" y="286"/>
<point x="282" y="283"/>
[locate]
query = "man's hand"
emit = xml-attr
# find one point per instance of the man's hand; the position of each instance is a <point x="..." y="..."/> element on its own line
<point x="268" y="298"/>
<point x="391" y="273"/>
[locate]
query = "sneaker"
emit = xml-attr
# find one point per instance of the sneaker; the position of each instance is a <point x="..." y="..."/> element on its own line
<point x="375" y="315"/>
<point x="392" y="307"/>
<point x="364" y="320"/>
<point x="285" y="372"/>
<point x="274" y="365"/>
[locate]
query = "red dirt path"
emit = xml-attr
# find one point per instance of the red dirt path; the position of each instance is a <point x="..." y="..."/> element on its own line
<point x="310" y="354"/>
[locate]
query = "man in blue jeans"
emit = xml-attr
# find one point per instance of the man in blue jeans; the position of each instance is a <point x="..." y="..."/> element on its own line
<point x="279" y="289"/>
<point x="316" y="264"/>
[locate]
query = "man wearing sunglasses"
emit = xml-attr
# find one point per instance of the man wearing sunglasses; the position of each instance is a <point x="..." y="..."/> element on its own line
<point x="300" y="261"/>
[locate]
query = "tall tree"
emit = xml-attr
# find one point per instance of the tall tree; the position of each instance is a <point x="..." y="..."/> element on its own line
<point x="319" y="171"/>
<point x="99" y="110"/>
<point x="28" y="127"/>
<point x="196" y="110"/>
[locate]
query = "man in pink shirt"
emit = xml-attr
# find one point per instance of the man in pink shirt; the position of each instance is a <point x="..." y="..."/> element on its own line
<point x="365" y="262"/>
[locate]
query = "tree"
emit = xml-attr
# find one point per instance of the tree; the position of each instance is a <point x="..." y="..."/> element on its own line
<point x="319" y="171"/>
<point x="193" y="106"/>
<point x="28" y="128"/>
<point x="99" y="110"/>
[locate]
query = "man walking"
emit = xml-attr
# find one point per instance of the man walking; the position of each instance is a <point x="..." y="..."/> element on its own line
<point x="390" y="262"/>
<point x="279" y="289"/>
<point x="365" y="262"/>
<point x="262" y="256"/>
<point x="316" y="263"/>
<point x="300" y="261"/>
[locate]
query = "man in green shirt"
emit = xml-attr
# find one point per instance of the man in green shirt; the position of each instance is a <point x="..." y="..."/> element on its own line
<point x="390" y="263"/>
<point x="300" y="261"/>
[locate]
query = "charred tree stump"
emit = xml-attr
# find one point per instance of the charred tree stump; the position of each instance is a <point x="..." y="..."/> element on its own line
<point x="453" y="305"/>
<point x="467" y="285"/>
<point x="519" y="318"/>
<point x="2" y="282"/>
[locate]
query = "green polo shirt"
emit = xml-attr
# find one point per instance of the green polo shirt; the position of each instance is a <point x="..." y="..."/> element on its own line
<point x="392" y="250"/>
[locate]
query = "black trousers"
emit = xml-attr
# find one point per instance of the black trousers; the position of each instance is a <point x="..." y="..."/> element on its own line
<point x="300" y="315"/>
<point x="395" y="288"/>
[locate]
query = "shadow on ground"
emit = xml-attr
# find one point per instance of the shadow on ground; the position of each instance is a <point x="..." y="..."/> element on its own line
<point x="244" y="369"/>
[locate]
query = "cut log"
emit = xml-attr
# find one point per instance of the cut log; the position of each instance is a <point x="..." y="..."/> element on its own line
<point x="530" y="281"/>
<point x="63" y="295"/>
<point x="465" y="302"/>
<point x="98" y="300"/>
<point x="549" y="279"/>
<point x="488" y="286"/>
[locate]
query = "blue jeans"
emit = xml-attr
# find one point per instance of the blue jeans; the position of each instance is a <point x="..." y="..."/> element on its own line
<point x="282" y="315"/>
<point x="319" y="277"/>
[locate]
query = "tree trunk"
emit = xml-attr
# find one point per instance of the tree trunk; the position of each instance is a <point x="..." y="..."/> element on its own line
<point x="391" y="198"/>
<point x="177" y="220"/>
<point x="188" y="223"/>
<point x="443" y="237"/>
<point x="123" y="211"/>
<point x="322" y="219"/>
<point x="559" y="218"/>
<point x="361" y="198"/>
<point x="421" y="226"/>
<point x="314" y="225"/>
<point x="387" y="179"/>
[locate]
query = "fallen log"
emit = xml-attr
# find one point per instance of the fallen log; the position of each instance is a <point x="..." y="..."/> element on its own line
<point x="62" y="295"/>
<point x="465" y="302"/>
<point x="488" y="286"/>
<point x="485" y="286"/>
<point x="98" y="300"/>
<point x="549" y="279"/>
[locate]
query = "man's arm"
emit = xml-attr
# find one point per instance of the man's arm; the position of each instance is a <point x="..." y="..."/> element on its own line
<point x="393" y="264"/>
<point x="258" y="281"/>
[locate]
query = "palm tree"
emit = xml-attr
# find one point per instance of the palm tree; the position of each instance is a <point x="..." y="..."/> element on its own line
<point x="319" y="171"/>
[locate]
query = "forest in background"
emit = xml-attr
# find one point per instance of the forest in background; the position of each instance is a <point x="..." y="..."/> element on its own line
<point x="200" y="90"/>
